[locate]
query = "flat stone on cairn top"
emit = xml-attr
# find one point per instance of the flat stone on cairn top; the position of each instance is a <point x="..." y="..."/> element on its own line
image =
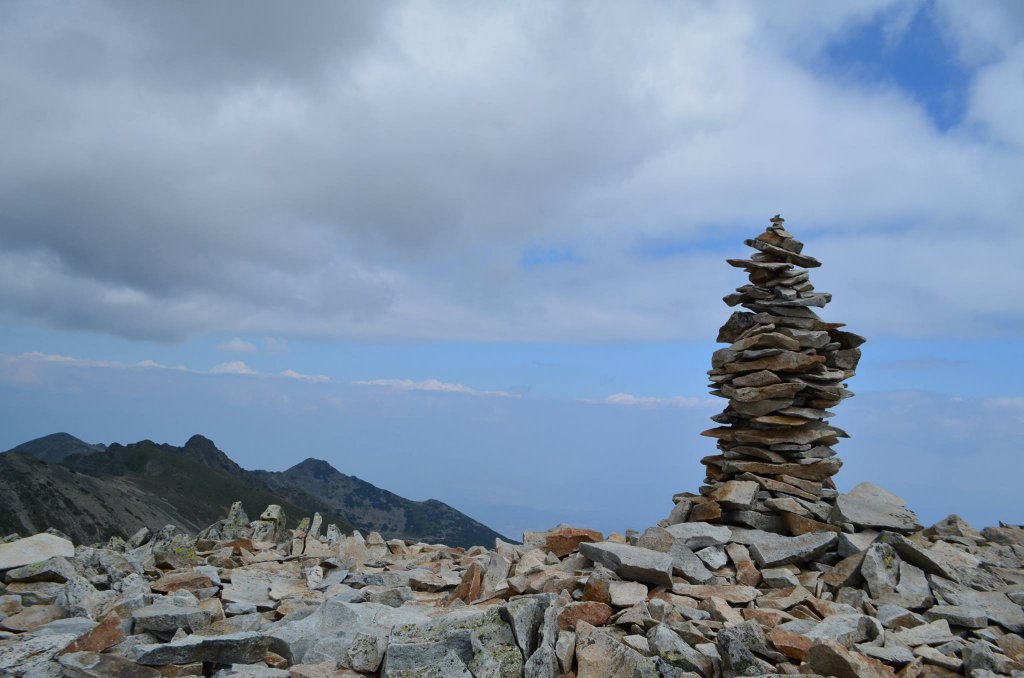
<point x="782" y="371"/>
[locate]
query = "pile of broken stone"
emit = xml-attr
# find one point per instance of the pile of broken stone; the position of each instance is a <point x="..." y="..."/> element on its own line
<point x="767" y="571"/>
<point x="680" y="599"/>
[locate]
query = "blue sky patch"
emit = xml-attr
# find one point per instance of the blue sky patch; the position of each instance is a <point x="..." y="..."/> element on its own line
<point x="919" y="60"/>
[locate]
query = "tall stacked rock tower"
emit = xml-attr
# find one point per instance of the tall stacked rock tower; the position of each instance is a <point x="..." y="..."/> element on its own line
<point x="782" y="371"/>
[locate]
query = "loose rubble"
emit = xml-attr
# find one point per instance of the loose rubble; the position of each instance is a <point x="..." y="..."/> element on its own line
<point x="767" y="571"/>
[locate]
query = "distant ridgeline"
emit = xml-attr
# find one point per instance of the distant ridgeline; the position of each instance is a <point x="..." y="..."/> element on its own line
<point x="93" y="492"/>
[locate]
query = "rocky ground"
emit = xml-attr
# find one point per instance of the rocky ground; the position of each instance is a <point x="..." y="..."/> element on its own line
<point x="680" y="599"/>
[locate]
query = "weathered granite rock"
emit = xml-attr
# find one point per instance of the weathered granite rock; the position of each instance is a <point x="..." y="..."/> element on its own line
<point x="95" y="665"/>
<point x="241" y="648"/>
<point x="34" y="549"/>
<point x="631" y="562"/>
<point x="869" y="506"/>
<point x="600" y="655"/>
<point x="772" y="550"/>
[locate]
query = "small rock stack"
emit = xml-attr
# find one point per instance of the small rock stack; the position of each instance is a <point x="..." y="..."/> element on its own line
<point x="784" y="368"/>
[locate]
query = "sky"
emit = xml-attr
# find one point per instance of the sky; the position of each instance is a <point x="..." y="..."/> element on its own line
<point x="475" y="252"/>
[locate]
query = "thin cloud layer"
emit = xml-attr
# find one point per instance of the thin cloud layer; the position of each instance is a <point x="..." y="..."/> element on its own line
<point x="390" y="170"/>
<point x="430" y="385"/>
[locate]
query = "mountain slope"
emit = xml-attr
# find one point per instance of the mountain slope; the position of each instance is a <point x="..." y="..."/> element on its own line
<point x="35" y="495"/>
<point x="56" y="447"/>
<point x="93" y="492"/>
<point x="373" y="508"/>
<point x="197" y="480"/>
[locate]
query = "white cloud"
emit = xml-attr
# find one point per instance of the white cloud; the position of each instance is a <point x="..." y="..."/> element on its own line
<point x="431" y="385"/>
<point x="234" y="367"/>
<point x="314" y="378"/>
<point x="343" y="189"/>
<point x="237" y="345"/>
<point x="630" y="400"/>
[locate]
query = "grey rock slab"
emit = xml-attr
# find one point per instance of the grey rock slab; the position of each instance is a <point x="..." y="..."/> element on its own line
<point x="235" y="648"/>
<point x="933" y="633"/>
<point x="543" y="661"/>
<point x="626" y="593"/>
<point x="999" y="608"/>
<point x="525" y="615"/>
<point x="481" y="641"/>
<point x="366" y="652"/>
<point x="776" y="550"/>
<point x="631" y="562"/>
<point x="565" y="649"/>
<point x="31" y="656"/>
<point x="33" y="549"/>
<point x="959" y="615"/>
<point x="880" y="569"/>
<point x="667" y="645"/>
<point x="713" y="556"/>
<point x="326" y="632"/>
<point x="166" y="618"/>
<point x="96" y="665"/>
<point x="686" y="564"/>
<point x="779" y="577"/>
<point x="890" y="655"/>
<point x="869" y="506"/>
<point x="845" y="629"/>
<point x="896" y="617"/>
<point x="57" y="569"/>
<point x="696" y="536"/>
<point x="736" y="647"/>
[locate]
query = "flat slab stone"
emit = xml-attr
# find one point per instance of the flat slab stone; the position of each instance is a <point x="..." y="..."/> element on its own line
<point x="868" y="505"/>
<point x="696" y="536"/>
<point x="33" y="549"/>
<point x="772" y="550"/>
<point x="631" y="562"/>
<point x="236" y="648"/>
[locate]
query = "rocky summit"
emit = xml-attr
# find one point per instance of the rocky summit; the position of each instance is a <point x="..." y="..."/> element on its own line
<point x="767" y="570"/>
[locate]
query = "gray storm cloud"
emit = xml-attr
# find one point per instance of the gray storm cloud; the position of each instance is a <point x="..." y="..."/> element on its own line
<point x="382" y="170"/>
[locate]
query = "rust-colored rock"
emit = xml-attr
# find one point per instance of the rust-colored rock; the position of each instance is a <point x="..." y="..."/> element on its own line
<point x="589" y="611"/>
<point x="793" y="645"/>
<point x="175" y="581"/>
<point x="706" y="512"/>
<point x="798" y="525"/>
<point x="105" y="634"/>
<point x="468" y="589"/>
<point x="565" y="540"/>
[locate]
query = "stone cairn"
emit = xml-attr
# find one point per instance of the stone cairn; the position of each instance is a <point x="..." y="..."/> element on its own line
<point x="784" y="368"/>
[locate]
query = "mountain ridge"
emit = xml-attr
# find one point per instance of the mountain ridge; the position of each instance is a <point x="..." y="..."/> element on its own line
<point x="94" y="492"/>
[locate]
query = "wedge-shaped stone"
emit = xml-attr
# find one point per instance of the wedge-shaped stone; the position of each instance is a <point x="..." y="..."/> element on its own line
<point x="600" y="655"/>
<point x="869" y="506"/>
<point x="735" y="494"/>
<point x="696" y="536"/>
<point x="235" y="648"/>
<point x="749" y="394"/>
<point x="96" y="665"/>
<point x="787" y="361"/>
<point x="773" y="550"/>
<point x="34" y="549"/>
<point x="816" y="471"/>
<point x="631" y="562"/>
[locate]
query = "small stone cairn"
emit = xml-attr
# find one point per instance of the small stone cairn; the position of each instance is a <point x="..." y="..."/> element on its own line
<point x="783" y="369"/>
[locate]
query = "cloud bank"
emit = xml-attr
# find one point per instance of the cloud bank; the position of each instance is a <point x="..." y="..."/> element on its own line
<point x="561" y="171"/>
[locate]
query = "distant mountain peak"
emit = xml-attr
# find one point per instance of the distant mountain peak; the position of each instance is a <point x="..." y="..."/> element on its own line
<point x="201" y="443"/>
<point x="318" y="468"/>
<point x="56" y="447"/>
